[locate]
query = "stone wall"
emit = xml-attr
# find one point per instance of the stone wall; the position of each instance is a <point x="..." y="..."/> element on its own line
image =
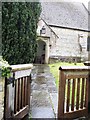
<point x="71" y="43"/>
<point x="69" y="59"/>
<point x="48" y="31"/>
<point x="1" y="98"/>
<point x="65" y="44"/>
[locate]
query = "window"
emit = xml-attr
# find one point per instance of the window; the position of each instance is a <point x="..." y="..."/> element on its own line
<point x="43" y="30"/>
<point x="88" y="43"/>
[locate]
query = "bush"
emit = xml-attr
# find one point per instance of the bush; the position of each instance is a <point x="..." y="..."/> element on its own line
<point x="4" y="68"/>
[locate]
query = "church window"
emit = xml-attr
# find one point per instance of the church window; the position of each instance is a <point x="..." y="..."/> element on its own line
<point x="88" y="43"/>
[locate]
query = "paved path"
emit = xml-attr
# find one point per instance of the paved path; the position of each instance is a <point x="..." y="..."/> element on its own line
<point x="44" y="93"/>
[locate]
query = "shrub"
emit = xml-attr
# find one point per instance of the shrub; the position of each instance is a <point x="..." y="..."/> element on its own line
<point x="4" y="68"/>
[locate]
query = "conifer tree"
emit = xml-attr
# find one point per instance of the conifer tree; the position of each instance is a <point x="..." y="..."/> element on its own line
<point x="19" y="24"/>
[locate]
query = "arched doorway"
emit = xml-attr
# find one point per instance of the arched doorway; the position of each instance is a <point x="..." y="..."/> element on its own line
<point x="41" y="50"/>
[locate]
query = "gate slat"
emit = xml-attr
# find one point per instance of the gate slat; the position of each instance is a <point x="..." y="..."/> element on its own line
<point x="73" y="94"/>
<point x="78" y="93"/>
<point x="22" y="93"/>
<point x="68" y="96"/>
<point x="19" y="96"/>
<point x="26" y="91"/>
<point x="86" y="93"/>
<point x="15" y="97"/>
<point x="82" y="93"/>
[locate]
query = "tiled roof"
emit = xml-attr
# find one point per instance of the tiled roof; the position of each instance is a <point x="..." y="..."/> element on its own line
<point x="65" y="14"/>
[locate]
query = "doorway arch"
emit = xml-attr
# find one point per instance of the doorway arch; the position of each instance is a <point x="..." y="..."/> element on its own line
<point x="41" y="50"/>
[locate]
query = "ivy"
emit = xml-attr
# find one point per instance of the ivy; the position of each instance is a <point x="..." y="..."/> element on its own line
<point x="19" y="25"/>
<point x="6" y="72"/>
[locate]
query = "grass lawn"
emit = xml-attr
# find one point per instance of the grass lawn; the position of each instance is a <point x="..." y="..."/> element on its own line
<point x="54" y="68"/>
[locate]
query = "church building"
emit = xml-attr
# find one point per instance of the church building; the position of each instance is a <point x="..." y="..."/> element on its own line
<point x="63" y="32"/>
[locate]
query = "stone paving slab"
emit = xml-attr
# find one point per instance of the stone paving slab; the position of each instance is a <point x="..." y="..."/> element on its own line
<point x="52" y="89"/>
<point x="40" y="98"/>
<point x="42" y="112"/>
<point x="54" y="100"/>
<point x="39" y="87"/>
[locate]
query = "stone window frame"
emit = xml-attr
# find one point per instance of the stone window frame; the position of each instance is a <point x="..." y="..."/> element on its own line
<point x="88" y="43"/>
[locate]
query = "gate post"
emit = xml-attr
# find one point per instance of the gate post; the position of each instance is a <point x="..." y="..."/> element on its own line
<point x="87" y="63"/>
<point x="61" y="94"/>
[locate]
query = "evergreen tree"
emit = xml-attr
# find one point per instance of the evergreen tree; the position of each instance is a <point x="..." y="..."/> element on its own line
<point x="19" y="24"/>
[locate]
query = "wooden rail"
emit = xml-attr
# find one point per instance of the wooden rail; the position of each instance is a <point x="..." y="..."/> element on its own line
<point x="17" y="92"/>
<point x="74" y="87"/>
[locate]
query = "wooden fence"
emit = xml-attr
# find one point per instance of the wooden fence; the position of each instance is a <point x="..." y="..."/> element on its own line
<point x="74" y="92"/>
<point x="17" y="92"/>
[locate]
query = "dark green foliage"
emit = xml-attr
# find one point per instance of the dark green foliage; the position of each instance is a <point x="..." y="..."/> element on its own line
<point x="19" y="24"/>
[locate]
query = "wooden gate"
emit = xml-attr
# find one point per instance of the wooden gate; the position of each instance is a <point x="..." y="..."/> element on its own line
<point x="74" y="90"/>
<point x="17" y="92"/>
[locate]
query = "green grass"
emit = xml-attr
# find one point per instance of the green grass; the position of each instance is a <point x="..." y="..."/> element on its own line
<point x="54" y="69"/>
